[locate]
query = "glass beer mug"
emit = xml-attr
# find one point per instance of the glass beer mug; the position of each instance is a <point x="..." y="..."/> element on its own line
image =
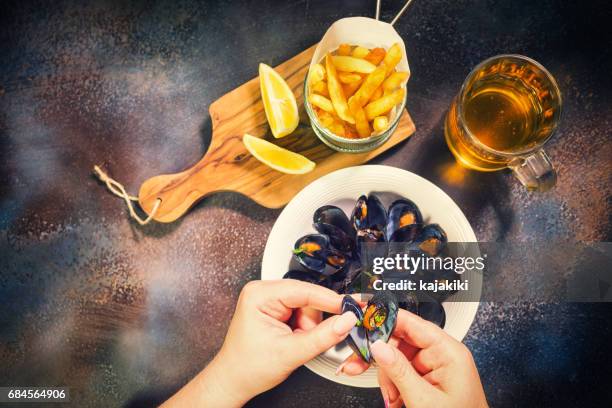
<point x="506" y="110"/>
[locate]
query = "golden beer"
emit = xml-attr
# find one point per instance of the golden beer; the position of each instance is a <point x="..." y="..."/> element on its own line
<point x="507" y="109"/>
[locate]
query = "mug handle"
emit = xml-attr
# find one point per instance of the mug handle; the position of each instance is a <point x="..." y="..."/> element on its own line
<point x="535" y="172"/>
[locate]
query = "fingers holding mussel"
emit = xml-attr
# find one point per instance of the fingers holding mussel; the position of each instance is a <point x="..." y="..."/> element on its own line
<point x="375" y="323"/>
<point x="380" y="316"/>
<point x="357" y="338"/>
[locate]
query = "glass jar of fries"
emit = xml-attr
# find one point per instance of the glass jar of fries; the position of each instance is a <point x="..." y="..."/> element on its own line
<point x="355" y="96"/>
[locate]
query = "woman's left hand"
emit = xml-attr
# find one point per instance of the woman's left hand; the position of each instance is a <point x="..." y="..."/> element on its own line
<point x="260" y="348"/>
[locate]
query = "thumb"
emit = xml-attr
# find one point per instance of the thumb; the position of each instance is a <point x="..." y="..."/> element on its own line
<point x="415" y="390"/>
<point x="306" y="345"/>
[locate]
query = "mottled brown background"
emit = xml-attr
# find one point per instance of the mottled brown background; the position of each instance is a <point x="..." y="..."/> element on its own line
<point x="124" y="315"/>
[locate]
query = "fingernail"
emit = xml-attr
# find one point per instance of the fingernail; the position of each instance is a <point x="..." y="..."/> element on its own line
<point x="340" y="368"/>
<point x="344" y="323"/>
<point x="385" y="396"/>
<point x="382" y="352"/>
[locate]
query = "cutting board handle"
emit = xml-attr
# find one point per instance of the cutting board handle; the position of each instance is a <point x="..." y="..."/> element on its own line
<point x="177" y="192"/>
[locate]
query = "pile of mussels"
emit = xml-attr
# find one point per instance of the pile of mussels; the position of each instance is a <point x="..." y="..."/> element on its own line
<point x="333" y="258"/>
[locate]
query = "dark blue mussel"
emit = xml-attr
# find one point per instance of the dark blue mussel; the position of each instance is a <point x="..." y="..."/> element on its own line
<point x="409" y="301"/>
<point x="432" y="310"/>
<point x="348" y="280"/>
<point x="369" y="213"/>
<point x="369" y="218"/>
<point x="375" y="323"/>
<point x="380" y="316"/>
<point x="357" y="338"/>
<point x="404" y="221"/>
<point x="333" y="222"/>
<point x="308" y="276"/>
<point x="431" y="240"/>
<point x="315" y="253"/>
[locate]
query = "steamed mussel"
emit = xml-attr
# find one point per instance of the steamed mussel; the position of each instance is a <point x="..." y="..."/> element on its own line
<point x="376" y="322"/>
<point x="315" y="253"/>
<point x="405" y="221"/>
<point x="334" y="257"/>
<point x="333" y="222"/>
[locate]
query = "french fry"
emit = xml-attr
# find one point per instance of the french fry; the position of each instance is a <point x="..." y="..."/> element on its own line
<point x="352" y="64"/>
<point x="348" y="77"/>
<point x="337" y="127"/>
<point x="350" y="89"/>
<point x="325" y="118"/>
<point x="350" y="131"/>
<point x="363" y="95"/>
<point x="394" y="55"/>
<point x="380" y="123"/>
<point x="317" y="74"/>
<point x="320" y="88"/>
<point x="321" y="102"/>
<point x="360" y="52"/>
<point x="377" y="93"/>
<point x="336" y="93"/>
<point x="376" y="55"/>
<point x="394" y="81"/>
<point x="383" y="105"/>
<point x="361" y="122"/>
<point x="344" y="49"/>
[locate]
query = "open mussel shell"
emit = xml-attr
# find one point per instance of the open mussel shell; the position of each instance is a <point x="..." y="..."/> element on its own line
<point x="369" y="213"/>
<point x="308" y="276"/>
<point x="380" y="316"/>
<point x="315" y="253"/>
<point x="431" y="240"/>
<point x="357" y="338"/>
<point x="432" y="310"/>
<point x="402" y="213"/>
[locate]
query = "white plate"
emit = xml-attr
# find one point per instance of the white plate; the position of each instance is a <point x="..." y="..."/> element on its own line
<point x="342" y="188"/>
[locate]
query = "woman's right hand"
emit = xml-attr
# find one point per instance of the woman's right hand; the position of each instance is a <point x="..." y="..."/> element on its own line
<point x="422" y="366"/>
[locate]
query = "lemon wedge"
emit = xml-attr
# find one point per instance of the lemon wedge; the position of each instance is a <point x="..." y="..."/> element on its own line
<point x="276" y="157"/>
<point x="279" y="102"/>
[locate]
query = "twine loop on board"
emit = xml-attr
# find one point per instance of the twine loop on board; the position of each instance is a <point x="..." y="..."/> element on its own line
<point x="117" y="189"/>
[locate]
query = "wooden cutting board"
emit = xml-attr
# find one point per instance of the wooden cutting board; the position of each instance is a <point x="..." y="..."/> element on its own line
<point x="227" y="166"/>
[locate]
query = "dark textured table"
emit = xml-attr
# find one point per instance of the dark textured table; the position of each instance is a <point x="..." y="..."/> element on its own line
<point x="124" y="315"/>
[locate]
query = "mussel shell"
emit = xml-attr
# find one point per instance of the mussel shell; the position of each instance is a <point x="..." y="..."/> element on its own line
<point x="431" y="240"/>
<point x="407" y="233"/>
<point x="337" y="237"/>
<point x="380" y="316"/>
<point x="357" y="338"/>
<point x="344" y="281"/>
<point x="432" y="310"/>
<point x="332" y="215"/>
<point x="310" y="251"/>
<point x="314" y="252"/>
<point x="409" y="301"/>
<point x="369" y="213"/>
<point x="402" y="213"/>
<point x="308" y="276"/>
<point x="366" y="253"/>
